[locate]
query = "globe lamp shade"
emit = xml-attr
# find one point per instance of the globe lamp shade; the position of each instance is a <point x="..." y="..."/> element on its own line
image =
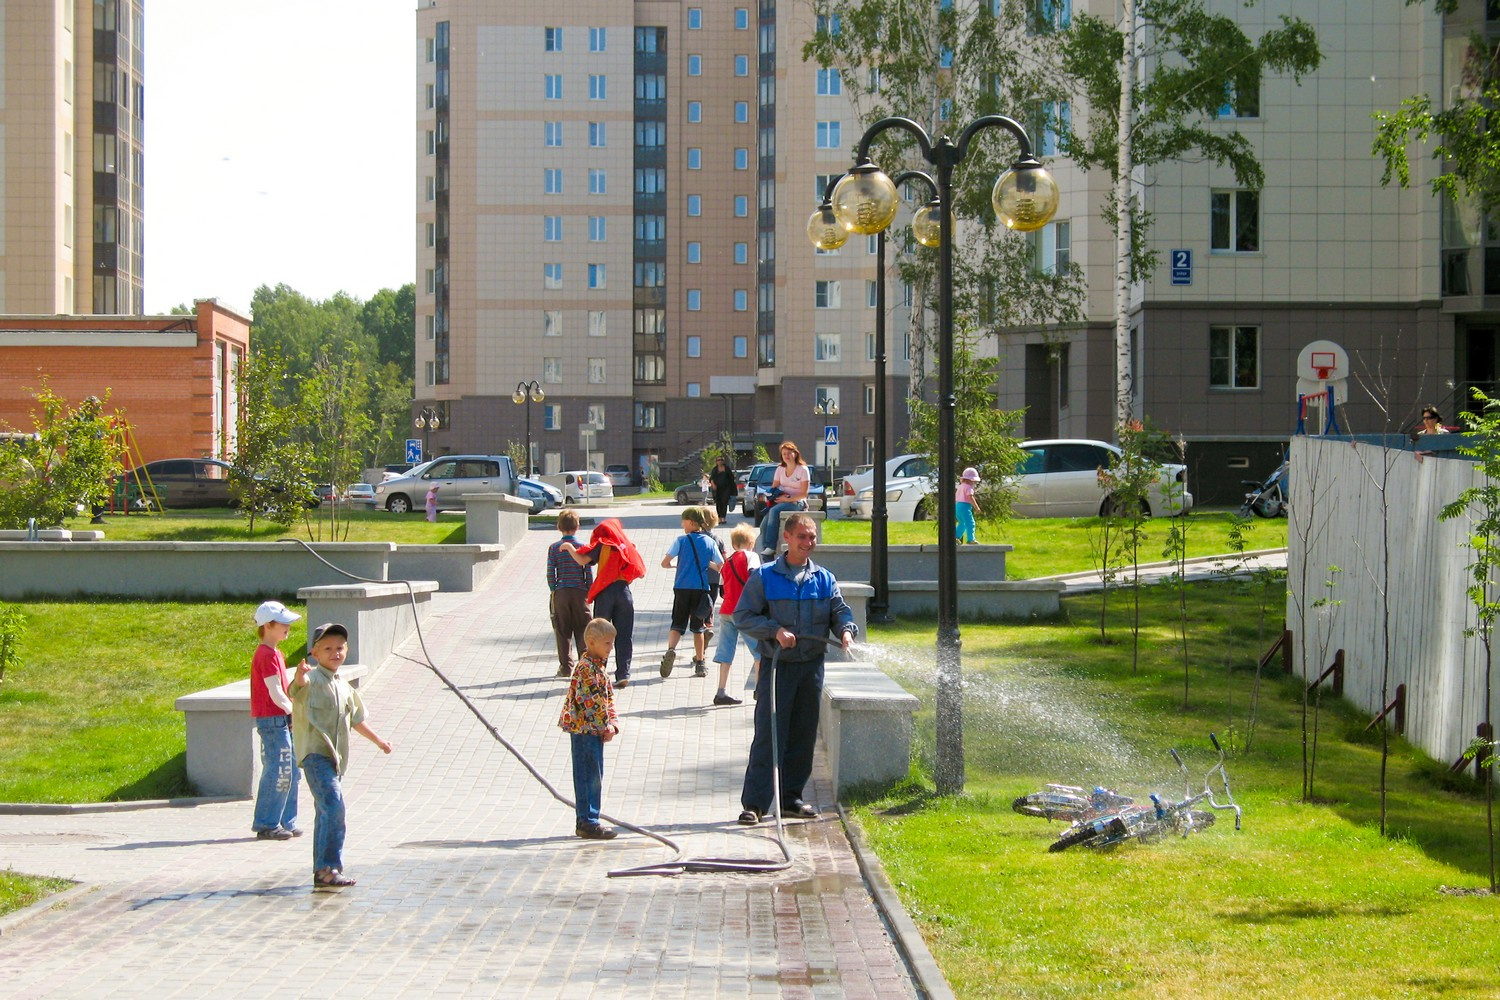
<point x="927" y="225"/>
<point x="1025" y="198"/>
<point x="824" y="230"/>
<point x="865" y="201"/>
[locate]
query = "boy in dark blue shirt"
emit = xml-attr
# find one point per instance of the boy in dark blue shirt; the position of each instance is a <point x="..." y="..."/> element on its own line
<point x="569" y="583"/>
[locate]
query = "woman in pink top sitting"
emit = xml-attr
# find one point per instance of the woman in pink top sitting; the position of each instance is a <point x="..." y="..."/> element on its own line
<point x="789" y="489"/>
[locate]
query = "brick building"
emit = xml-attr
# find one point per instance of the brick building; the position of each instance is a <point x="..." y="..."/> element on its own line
<point x="172" y="376"/>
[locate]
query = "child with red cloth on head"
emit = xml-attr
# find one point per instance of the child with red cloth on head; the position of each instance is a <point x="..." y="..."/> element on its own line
<point x="617" y="563"/>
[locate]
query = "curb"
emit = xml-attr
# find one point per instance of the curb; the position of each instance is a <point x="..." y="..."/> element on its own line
<point x="70" y="808"/>
<point x="11" y="921"/>
<point x="930" y="983"/>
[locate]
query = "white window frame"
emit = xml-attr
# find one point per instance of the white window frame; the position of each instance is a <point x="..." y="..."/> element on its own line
<point x="1232" y="199"/>
<point x="826" y="295"/>
<point x="828" y="347"/>
<point x="1230" y="356"/>
<point x="552" y="372"/>
<point x="597" y="371"/>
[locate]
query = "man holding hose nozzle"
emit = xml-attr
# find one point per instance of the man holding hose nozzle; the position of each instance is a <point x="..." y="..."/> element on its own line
<point x="793" y="603"/>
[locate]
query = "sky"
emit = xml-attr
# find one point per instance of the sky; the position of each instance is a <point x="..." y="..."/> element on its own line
<point x="280" y="148"/>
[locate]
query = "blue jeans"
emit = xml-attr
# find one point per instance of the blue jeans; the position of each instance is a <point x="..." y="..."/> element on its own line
<point x="617" y="604"/>
<point x="770" y="525"/>
<point x="964" y="514"/>
<point x="328" y="800"/>
<point x="799" y="688"/>
<point x="588" y="776"/>
<point x="276" y="797"/>
<point x="729" y="636"/>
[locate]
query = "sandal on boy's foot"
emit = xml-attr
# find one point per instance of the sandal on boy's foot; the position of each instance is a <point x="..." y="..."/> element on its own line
<point x="749" y="817"/>
<point x="595" y="831"/>
<point x="700" y="669"/>
<point x="331" y="878"/>
<point x="723" y="699"/>
<point x="667" y="659"/>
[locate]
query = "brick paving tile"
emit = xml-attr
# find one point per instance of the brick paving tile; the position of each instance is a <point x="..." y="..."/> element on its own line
<point x="471" y="882"/>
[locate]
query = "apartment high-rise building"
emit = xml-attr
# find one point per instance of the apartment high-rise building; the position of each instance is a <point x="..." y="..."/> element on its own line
<point x="612" y="200"/>
<point x="71" y="153"/>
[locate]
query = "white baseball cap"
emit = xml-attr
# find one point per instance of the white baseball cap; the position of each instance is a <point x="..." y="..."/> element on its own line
<point x="275" y="611"/>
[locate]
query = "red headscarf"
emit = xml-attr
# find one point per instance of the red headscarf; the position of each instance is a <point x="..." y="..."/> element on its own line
<point x="623" y="563"/>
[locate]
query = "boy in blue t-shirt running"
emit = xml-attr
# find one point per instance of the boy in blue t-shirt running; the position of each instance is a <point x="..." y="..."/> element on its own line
<point x="696" y="552"/>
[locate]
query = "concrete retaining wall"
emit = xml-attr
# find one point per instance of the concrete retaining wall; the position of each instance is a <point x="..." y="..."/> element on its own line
<point x="456" y="568"/>
<point x="913" y="562"/>
<point x="866" y="721"/>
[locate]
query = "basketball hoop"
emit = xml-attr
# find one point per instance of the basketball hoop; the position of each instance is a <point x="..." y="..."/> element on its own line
<point x="1325" y="363"/>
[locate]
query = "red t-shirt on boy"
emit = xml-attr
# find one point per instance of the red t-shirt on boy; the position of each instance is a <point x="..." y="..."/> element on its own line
<point x="267" y="662"/>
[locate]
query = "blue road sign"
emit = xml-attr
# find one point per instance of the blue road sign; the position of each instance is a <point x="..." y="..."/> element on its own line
<point x="414" y="450"/>
<point x="831" y="434"/>
<point x="1182" y="267"/>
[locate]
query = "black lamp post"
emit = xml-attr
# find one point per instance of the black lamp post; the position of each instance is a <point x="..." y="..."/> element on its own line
<point x="865" y="201"/>
<point x="827" y="409"/>
<point x="528" y="393"/>
<point x="426" y="421"/>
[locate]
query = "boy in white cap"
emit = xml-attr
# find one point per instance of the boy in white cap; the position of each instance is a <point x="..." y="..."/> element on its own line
<point x="271" y="708"/>
<point x="963" y="506"/>
<point x="327" y="708"/>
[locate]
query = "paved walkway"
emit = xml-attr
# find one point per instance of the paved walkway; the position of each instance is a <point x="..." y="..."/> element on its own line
<point x="471" y="883"/>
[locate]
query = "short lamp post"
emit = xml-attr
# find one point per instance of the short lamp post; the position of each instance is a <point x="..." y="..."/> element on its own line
<point x="827" y="233"/>
<point x="865" y="202"/>
<point x="528" y="393"/>
<point x="426" y="421"/>
<point x="827" y="409"/>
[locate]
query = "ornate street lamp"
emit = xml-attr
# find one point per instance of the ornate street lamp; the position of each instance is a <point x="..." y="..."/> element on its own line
<point x="528" y="393"/>
<point x="865" y="201"/>
<point x="426" y="421"/>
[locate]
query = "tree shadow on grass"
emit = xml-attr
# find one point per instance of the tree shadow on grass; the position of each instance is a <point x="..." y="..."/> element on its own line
<point x="168" y="780"/>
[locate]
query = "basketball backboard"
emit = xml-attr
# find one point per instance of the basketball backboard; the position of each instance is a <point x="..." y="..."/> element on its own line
<point x="1322" y="361"/>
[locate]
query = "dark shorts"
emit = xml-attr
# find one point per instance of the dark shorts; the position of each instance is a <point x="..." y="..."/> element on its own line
<point x="691" y="610"/>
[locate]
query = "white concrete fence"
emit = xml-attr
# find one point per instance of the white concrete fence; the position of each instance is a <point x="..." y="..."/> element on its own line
<point x="1388" y="544"/>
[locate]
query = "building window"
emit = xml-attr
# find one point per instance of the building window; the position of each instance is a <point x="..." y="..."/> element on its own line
<point x="1234" y="225"/>
<point x="694" y="390"/>
<point x="694" y="205"/>
<point x="427" y="368"/>
<point x="741" y="206"/>
<point x="741" y="65"/>
<point x="552" y="323"/>
<point x="597" y="322"/>
<point x="650" y="274"/>
<point x="430" y="281"/>
<point x="429" y="101"/>
<point x="596" y="39"/>
<point x="828" y="24"/>
<point x="552" y="180"/>
<point x="742" y="111"/>
<point x="1047" y="16"/>
<point x="826" y="348"/>
<point x="552" y="228"/>
<point x="596" y="416"/>
<point x="650" y="134"/>
<point x="741" y="300"/>
<point x="828" y="135"/>
<point x="1240" y="103"/>
<point x="695" y="18"/>
<point x="830" y="83"/>
<point x="597" y="182"/>
<point x="552" y="39"/>
<point x="596" y="228"/>
<point x="872" y="293"/>
<point x="869" y="393"/>
<point x="597" y="276"/>
<point x="431" y="181"/>
<point x="741" y="253"/>
<point x="694" y="112"/>
<point x="649" y="39"/>
<point x="694" y="252"/>
<point x="650" y="87"/>
<point x="431" y="327"/>
<point x="552" y="370"/>
<point x="1053" y="121"/>
<point x="821" y="183"/>
<point x="650" y="180"/>
<point x="695" y="65"/>
<point x="826" y="294"/>
<point x="551" y="275"/>
<point x="598" y="88"/>
<point x="650" y="228"/>
<point x="742" y="19"/>
<point x="742" y="158"/>
<point x="553" y="86"/>
<point x="694" y="300"/>
<point x="694" y="158"/>
<point x="597" y="137"/>
<point x="432" y="142"/>
<point x="596" y="371"/>
<point x="1234" y="357"/>
<point x="742" y="347"/>
<point x="648" y="416"/>
<point x="1052" y="247"/>
<point x="695" y="347"/>
<point x="552" y="415"/>
<point x="650" y="368"/>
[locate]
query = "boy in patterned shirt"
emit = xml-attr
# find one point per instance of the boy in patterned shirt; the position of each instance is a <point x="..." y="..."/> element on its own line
<point x="588" y="715"/>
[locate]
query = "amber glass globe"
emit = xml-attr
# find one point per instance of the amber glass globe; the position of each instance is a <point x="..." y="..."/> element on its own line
<point x="865" y="201"/>
<point x="824" y="230"/>
<point x="927" y="225"/>
<point x="1025" y="198"/>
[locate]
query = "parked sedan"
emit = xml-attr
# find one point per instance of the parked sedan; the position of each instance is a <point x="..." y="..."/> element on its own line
<point x="903" y="500"/>
<point x="1060" y="478"/>
<point x="539" y="494"/>
<point x="689" y="493"/>
<point x="360" y="495"/>
<point x="863" y="478"/>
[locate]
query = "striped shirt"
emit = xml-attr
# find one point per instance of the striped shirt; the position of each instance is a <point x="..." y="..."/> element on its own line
<point x="562" y="571"/>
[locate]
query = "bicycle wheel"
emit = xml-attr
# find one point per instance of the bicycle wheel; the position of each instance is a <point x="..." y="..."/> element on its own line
<point x="1201" y="819"/>
<point x="1073" y="836"/>
<point x="1049" y="805"/>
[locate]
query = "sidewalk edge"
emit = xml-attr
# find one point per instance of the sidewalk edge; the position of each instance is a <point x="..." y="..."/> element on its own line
<point x="58" y="900"/>
<point x="71" y="808"/>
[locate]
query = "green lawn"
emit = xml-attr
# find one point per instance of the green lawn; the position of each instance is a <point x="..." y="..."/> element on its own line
<point x="19" y="891"/>
<point x="218" y="525"/>
<point x="1308" y="900"/>
<point x="1045" y="546"/>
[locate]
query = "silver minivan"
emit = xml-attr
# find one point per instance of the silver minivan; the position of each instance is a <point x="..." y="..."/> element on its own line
<point x="454" y="475"/>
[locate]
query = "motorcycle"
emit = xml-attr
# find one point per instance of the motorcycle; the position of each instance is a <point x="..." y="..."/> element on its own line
<point x="1268" y="498"/>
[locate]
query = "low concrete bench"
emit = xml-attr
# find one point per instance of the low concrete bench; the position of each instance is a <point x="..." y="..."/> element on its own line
<point x="988" y="600"/>
<point x="222" y="757"/>
<point x="377" y="615"/>
<point x="455" y="568"/>
<point x="866" y="719"/>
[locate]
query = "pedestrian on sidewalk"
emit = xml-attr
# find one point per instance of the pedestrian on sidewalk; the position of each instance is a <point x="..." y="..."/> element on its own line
<point x="963" y="506"/>
<point x="793" y="603"/>
<point x="325" y="707"/>
<point x="696" y="553"/>
<point x="617" y="563"/>
<point x="737" y="570"/>
<point x="431" y="503"/>
<point x="715" y="582"/>
<point x="789" y="486"/>
<point x="275" y="815"/>
<point x="569" y="583"/>
<point x="588" y="716"/>
<point x="721" y="479"/>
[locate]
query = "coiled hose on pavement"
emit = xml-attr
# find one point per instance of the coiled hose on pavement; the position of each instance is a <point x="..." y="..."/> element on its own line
<point x="678" y="864"/>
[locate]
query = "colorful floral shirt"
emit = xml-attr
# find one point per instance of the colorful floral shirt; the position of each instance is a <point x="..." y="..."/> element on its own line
<point x="590" y="705"/>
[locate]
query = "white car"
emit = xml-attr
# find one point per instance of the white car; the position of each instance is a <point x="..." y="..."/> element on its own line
<point x="903" y="500"/>
<point x="360" y="495"/>
<point x="539" y="494"/>
<point x="581" y="486"/>
<point x="1060" y="478"/>
<point x="863" y="478"/>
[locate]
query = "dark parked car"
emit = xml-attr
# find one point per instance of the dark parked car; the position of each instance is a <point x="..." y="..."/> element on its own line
<point x="758" y="491"/>
<point x="185" y="482"/>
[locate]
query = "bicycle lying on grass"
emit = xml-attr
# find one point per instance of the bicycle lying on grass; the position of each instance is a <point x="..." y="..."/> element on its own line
<point x="1097" y="825"/>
